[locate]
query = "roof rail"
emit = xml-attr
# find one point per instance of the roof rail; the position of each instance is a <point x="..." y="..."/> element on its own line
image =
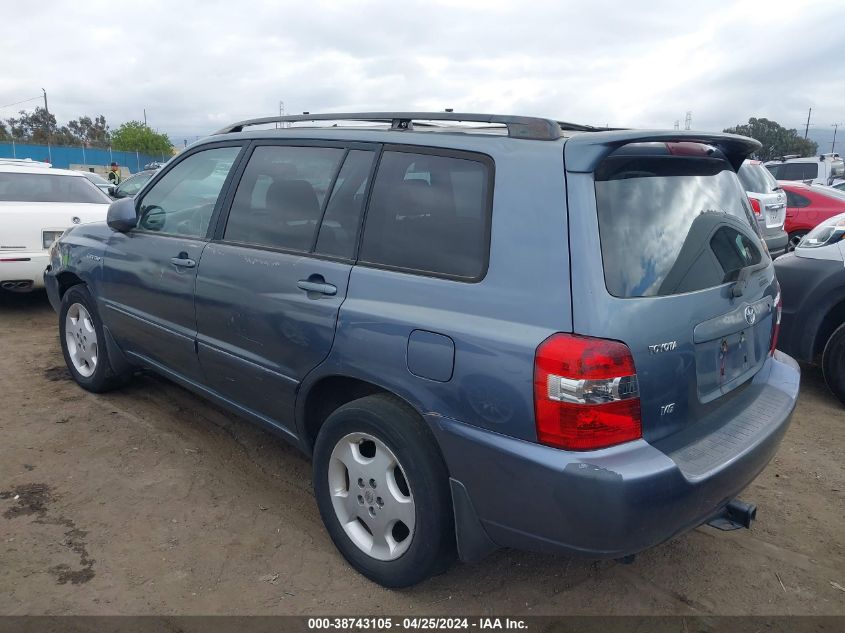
<point x="532" y="128"/>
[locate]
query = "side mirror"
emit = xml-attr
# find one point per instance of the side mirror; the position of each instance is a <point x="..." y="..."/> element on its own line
<point x="111" y="191"/>
<point x="121" y="216"/>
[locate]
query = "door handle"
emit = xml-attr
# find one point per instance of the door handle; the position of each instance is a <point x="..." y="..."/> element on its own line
<point x="316" y="283"/>
<point x="183" y="262"/>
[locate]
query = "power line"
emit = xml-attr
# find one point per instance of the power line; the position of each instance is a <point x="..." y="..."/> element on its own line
<point x="9" y="105"/>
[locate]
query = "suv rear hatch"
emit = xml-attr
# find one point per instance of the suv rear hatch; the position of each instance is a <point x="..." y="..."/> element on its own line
<point x="681" y="276"/>
<point x="768" y="200"/>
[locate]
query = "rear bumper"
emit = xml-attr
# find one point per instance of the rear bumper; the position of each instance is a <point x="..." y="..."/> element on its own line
<point x="776" y="241"/>
<point x="621" y="500"/>
<point x="30" y="269"/>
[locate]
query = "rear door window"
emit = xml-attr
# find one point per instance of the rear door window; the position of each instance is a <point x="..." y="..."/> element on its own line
<point x="430" y="214"/>
<point x="279" y="200"/>
<point x="671" y="224"/>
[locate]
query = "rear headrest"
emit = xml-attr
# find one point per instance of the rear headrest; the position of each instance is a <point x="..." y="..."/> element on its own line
<point x="295" y="199"/>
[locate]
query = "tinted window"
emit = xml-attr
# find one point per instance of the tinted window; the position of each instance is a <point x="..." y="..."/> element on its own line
<point x="20" y="187"/>
<point x="798" y="171"/>
<point x="339" y="228"/>
<point x="181" y="203"/>
<point x="280" y="196"/>
<point x="429" y="214"/>
<point x="756" y="178"/>
<point x="796" y="200"/>
<point x="670" y="225"/>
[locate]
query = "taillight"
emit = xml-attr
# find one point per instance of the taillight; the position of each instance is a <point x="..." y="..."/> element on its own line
<point x="755" y="205"/>
<point x="778" y="308"/>
<point x="586" y="394"/>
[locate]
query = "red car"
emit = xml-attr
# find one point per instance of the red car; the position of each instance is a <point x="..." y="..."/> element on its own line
<point x="807" y="206"/>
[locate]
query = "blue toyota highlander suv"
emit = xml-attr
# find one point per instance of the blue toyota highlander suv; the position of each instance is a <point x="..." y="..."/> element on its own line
<point x="488" y="331"/>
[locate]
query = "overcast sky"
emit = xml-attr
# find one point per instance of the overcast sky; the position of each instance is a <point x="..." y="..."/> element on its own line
<point x="196" y="65"/>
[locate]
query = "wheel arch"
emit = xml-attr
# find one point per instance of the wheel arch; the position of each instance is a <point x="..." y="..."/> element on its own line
<point x="324" y="394"/>
<point x="834" y="317"/>
<point x="67" y="279"/>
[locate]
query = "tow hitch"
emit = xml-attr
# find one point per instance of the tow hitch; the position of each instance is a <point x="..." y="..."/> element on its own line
<point x="737" y="514"/>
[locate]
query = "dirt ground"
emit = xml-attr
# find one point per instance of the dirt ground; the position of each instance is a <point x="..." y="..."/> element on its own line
<point x="151" y="501"/>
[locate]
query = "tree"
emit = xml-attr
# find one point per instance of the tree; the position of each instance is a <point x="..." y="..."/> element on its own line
<point x="33" y="127"/>
<point x="776" y="139"/>
<point x="4" y="132"/>
<point x="90" y="133"/>
<point x="135" y="136"/>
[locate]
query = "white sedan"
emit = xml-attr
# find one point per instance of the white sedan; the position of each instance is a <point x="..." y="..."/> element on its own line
<point x="37" y="204"/>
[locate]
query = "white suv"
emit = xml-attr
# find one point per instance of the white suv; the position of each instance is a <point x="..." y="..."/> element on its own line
<point x="768" y="201"/>
<point x="825" y="169"/>
<point x="37" y="204"/>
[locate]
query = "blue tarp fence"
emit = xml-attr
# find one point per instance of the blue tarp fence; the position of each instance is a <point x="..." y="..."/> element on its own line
<point x="63" y="156"/>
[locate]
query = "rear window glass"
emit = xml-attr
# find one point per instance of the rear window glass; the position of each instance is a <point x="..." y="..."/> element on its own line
<point x="17" y="187"/>
<point x="756" y="178"/>
<point x="430" y="214"/>
<point x="671" y="224"/>
<point x="798" y="171"/>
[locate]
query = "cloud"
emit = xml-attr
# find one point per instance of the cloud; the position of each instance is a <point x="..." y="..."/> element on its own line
<point x="196" y="65"/>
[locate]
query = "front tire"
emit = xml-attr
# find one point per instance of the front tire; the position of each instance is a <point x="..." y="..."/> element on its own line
<point x="83" y="342"/>
<point x="383" y="491"/>
<point x="794" y="240"/>
<point x="833" y="363"/>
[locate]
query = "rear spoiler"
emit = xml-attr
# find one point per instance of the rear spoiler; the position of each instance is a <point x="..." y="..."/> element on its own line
<point x="584" y="152"/>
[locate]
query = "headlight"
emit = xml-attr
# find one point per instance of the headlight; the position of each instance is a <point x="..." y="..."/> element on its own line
<point x="48" y="237"/>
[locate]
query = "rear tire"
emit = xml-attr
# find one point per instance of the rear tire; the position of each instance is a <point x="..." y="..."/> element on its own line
<point x="794" y="239"/>
<point x="383" y="491"/>
<point x="833" y="363"/>
<point x="83" y="342"/>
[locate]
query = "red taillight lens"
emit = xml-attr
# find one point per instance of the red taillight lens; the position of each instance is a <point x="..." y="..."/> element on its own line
<point x="755" y="205"/>
<point x="778" y="308"/>
<point x="586" y="394"/>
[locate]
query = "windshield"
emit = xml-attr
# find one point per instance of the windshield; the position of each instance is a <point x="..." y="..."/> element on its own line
<point x="17" y="187"/>
<point x="97" y="179"/>
<point x="671" y="224"/>
<point x="756" y="178"/>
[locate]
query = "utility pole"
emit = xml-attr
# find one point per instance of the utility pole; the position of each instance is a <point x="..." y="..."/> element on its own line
<point x="47" y="123"/>
<point x="807" y="128"/>
<point x="835" y="128"/>
<point x="688" y="120"/>
<point x="145" y="117"/>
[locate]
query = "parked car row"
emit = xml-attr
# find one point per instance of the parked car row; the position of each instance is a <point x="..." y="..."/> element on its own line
<point x="426" y="313"/>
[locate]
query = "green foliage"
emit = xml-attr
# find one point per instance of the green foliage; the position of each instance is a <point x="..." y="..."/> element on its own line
<point x="92" y="133"/>
<point x="40" y="127"/>
<point x="776" y="139"/>
<point x="135" y="136"/>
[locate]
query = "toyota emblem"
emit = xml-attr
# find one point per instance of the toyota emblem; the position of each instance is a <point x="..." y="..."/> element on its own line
<point x="75" y="219"/>
<point x="750" y="315"/>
